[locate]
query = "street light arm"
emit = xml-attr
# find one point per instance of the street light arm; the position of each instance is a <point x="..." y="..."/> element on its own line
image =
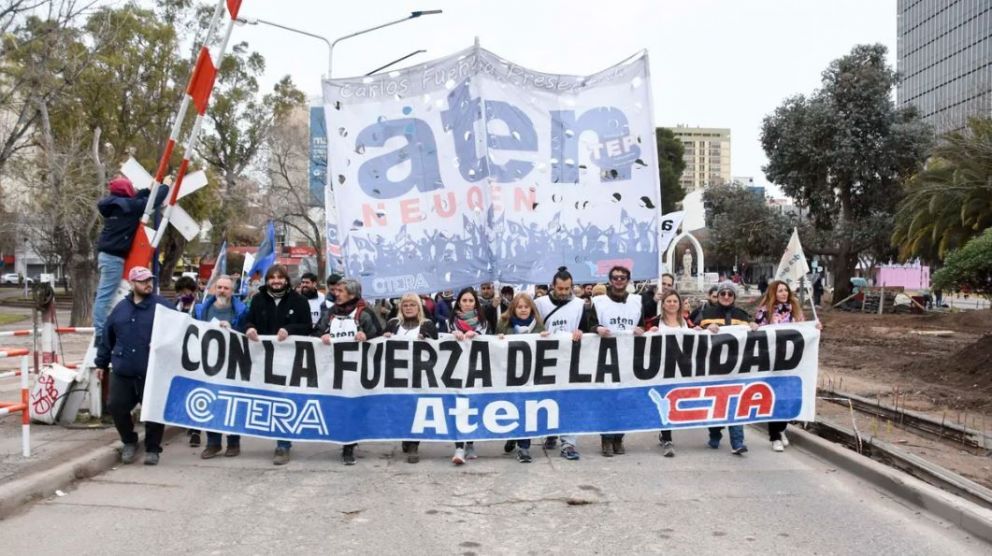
<point x="377" y="27"/>
<point x="330" y="47"/>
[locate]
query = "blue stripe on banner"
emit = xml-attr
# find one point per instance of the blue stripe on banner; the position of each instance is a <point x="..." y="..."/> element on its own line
<point x="503" y="415"/>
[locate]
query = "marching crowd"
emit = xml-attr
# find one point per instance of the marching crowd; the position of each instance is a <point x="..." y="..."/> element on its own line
<point x="278" y="309"/>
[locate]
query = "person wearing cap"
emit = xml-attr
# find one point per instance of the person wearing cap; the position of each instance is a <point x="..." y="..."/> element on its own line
<point x="124" y="347"/>
<point x="726" y="313"/>
<point x="121" y="210"/>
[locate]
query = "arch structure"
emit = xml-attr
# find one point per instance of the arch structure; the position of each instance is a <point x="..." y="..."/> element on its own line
<point x="699" y="259"/>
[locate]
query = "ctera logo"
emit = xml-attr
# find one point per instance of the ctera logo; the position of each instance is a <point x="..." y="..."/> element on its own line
<point x="239" y="411"/>
<point x="697" y="404"/>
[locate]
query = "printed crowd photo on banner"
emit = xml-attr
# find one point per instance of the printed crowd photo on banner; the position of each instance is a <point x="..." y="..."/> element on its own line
<point x="205" y="377"/>
<point x="471" y="168"/>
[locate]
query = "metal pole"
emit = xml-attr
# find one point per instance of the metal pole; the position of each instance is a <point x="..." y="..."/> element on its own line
<point x="396" y="61"/>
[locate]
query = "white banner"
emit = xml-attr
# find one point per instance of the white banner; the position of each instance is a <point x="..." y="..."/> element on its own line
<point x="793" y="266"/>
<point x="471" y="168"/>
<point x="204" y="377"/>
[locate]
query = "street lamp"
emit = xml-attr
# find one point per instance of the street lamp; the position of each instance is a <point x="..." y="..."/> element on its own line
<point x="413" y="15"/>
<point x="396" y="61"/>
<point x="330" y="45"/>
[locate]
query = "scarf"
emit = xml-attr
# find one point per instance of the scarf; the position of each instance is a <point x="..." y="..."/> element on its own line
<point x="346" y="307"/>
<point x="277" y="294"/>
<point x="466" y="320"/>
<point x="522" y="326"/>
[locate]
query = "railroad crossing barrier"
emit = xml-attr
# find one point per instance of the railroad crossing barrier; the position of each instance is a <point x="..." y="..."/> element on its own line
<point x="6" y="408"/>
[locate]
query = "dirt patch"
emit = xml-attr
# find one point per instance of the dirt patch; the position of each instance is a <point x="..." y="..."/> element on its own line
<point x="931" y="362"/>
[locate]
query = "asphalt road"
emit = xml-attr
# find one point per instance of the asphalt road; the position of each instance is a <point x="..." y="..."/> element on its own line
<point x="702" y="501"/>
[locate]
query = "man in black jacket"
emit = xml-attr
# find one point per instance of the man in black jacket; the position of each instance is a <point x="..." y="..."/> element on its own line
<point x="278" y="309"/>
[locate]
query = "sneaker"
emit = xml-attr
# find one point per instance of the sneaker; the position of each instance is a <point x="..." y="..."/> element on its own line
<point x="151" y="458"/>
<point x="459" y="457"/>
<point x="739" y="451"/>
<point x="194" y="439"/>
<point x="127" y="453"/>
<point x="778" y="446"/>
<point x="607" y="447"/>
<point x="668" y="449"/>
<point x="470" y="451"/>
<point x="210" y="452"/>
<point x="785" y="440"/>
<point x="523" y="455"/>
<point x="550" y="442"/>
<point x="348" y="455"/>
<point x="232" y="451"/>
<point x="714" y="443"/>
<point x="569" y="453"/>
<point x="281" y="456"/>
<point x="618" y="447"/>
<point x="509" y="446"/>
<point x="411" y="453"/>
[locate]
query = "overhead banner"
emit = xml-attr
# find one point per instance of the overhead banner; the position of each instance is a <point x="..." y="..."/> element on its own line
<point x="472" y="168"/>
<point x="205" y="377"/>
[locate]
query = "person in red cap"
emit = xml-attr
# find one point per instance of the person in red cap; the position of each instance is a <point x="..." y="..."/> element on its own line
<point x="125" y="343"/>
<point x="121" y="210"/>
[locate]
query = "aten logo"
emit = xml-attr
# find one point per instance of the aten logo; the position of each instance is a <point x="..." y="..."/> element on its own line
<point x="253" y="412"/>
<point x="694" y="404"/>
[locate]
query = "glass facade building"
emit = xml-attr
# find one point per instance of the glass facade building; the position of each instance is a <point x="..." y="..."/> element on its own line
<point x="944" y="55"/>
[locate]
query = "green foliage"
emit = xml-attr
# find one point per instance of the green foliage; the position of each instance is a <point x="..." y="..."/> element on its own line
<point x="670" y="167"/>
<point x="969" y="267"/>
<point x="843" y="153"/>
<point x="950" y="201"/>
<point x="742" y="226"/>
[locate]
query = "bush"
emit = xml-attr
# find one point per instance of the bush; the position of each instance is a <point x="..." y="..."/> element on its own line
<point x="969" y="267"/>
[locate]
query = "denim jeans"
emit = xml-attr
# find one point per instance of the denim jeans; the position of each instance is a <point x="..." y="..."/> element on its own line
<point x="736" y="436"/>
<point x="283" y="444"/>
<point x="111" y="273"/>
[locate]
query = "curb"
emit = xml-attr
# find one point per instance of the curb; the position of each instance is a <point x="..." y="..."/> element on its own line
<point x="964" y="514"/>
<point x="17" y="494"/>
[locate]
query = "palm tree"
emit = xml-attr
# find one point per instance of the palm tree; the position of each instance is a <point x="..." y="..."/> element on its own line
<point x="950" y="201"/>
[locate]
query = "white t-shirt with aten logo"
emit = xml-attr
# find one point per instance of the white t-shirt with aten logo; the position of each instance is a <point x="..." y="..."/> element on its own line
<point x="618" y="317"/>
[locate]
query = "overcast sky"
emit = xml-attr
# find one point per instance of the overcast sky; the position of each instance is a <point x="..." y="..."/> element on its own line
<point x="714" y="63"/>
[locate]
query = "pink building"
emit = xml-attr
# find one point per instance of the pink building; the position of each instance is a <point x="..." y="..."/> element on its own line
<point x="909" y="276"/>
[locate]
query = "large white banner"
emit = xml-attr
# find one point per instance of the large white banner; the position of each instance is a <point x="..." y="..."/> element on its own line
<point x="204" y="377"/>
<point x="472" y="168"/>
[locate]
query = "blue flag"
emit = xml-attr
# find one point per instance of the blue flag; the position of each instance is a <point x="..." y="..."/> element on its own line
<point x="264" y="258"/>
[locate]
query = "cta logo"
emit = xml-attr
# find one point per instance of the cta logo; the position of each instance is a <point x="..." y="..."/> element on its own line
<point x="698" y="404"/>
<point x="253" y="412"/>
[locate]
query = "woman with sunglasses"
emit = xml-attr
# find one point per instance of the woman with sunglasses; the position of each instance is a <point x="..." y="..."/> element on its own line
<point x="779" y="305"/>
<point x="617" y="311"/>
<point x="726" y="313"/>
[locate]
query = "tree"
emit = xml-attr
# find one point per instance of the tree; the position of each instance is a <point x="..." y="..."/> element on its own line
<point x="950" y="201"/>
<point x="969" y="267"/>
<point x="742" y="227"/>
<point x="288" y="149"/>
<point x="670" y="167"/>
<point x="843" y="153"/>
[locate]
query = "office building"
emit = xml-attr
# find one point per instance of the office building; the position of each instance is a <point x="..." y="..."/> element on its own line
<point x="707" y="156"/>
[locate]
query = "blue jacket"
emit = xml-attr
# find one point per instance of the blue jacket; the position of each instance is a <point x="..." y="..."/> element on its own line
<point x="127" y="336"/>
<point x="240" y="310"/>
<point x="120" y="220"/>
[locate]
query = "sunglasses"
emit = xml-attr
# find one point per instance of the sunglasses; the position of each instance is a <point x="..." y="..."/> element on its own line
<point x="726" y="294"/>
<point x="616" y="278"/>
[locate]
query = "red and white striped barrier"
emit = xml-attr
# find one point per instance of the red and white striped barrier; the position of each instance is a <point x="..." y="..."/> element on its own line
<point x="6" y="408"/>
<point x="63" y="330"/>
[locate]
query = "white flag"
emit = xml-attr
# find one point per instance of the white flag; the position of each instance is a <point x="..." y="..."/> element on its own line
<point x="793" y="266"/>
<point x="668" y="228"/>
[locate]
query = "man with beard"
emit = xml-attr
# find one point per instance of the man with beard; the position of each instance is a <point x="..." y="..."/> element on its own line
<point x="229" y="312"/>
<point x="562" y="311"/>
<point x="489" y="303"/>
<point x="127" y="335"/>
<point x="617" y="311"/>
<point x="350" y="320"/>
<point x="277" y="309"/>
<point x="308" y="288"/>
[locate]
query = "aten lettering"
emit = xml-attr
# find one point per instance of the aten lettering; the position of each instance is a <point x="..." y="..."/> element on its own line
<point x="615" y="153"/>
<point x="499" y="417"/>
